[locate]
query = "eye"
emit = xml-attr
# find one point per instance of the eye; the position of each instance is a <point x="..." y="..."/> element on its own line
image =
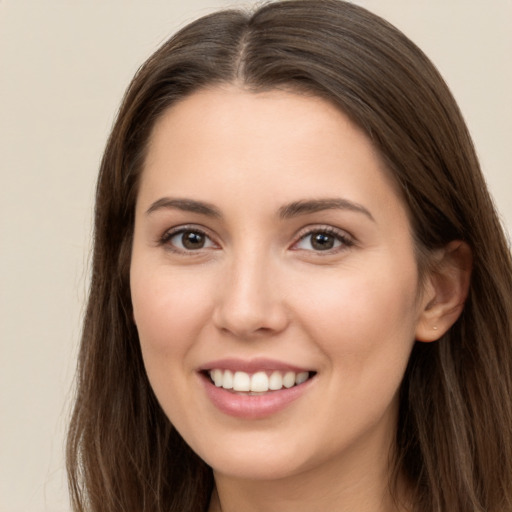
<point x="327" y="239"/>
<point x="187" y="239"/>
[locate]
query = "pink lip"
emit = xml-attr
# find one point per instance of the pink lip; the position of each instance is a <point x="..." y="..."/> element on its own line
<point x="252" y="407"/>
<point x="252" y="366"/>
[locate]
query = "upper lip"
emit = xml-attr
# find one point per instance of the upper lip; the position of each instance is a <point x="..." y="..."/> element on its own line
<point x="252" y="365"/>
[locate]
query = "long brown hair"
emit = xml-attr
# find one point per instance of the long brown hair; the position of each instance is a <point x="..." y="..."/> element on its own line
<point x="454" y="437"/>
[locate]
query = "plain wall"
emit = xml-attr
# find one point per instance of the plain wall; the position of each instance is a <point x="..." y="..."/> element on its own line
<point x="63" y="68"/>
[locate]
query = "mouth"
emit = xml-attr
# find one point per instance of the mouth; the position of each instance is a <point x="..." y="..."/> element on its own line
<point x="255" y="389"/>
<point x="256" y="383"/>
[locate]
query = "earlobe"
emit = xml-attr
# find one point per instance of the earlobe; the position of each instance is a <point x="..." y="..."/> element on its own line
<point x="445" y="292"/>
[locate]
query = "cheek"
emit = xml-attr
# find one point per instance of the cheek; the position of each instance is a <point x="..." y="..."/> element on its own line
<point x="364" y="321"/>
<point x="169" y="312"/>
<point x="364" y="326"/>
<point x="168" y="308"/>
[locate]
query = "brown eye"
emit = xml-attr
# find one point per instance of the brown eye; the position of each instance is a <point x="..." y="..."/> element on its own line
<point x="188" y="240"/>
<point x="192" y="240"/>
<point x="322" y="241"/>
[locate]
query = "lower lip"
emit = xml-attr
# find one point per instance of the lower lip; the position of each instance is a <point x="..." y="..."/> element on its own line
<point x="253" y="406"/>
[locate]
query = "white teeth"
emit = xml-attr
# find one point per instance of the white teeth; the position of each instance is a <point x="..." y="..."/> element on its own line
<point x="301" y="377"/>
<point x="241" y="381"/>
<point x="289" y="379"/>
<point x="217" y="377"/>
<point x="276" y="381"/>
<point x="227" y="381"/>
<point x="259" y="382"/>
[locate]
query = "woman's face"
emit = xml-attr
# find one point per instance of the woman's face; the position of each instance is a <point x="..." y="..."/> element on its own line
<point x="271" y="250"/>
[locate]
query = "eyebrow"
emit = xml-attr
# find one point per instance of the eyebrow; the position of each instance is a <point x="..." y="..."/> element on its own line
<point x="186" y="205"/>
<point x="305" y="207"/>
<point x="288" y="211"/>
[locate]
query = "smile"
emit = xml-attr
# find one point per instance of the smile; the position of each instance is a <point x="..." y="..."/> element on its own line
<point x="258" y="382"/>
<point x="256" y="389"/>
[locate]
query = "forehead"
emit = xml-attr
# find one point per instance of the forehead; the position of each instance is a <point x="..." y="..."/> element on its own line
<point x="227" y="139"/>
<point x="283" y="116"/>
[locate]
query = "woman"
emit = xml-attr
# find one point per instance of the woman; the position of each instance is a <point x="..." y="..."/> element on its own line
<point x="301" y="294"/>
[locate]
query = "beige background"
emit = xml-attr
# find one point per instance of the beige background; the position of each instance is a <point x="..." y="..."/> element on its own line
<point x="63" y="68"/>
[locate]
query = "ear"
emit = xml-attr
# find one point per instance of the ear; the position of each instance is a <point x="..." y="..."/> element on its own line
<point x="446" y="289"/>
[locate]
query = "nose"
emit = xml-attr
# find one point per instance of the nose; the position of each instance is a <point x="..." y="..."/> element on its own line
<point x="251" y="302"/>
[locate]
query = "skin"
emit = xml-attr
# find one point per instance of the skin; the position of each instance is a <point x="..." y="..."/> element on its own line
<point x="258" y="287"/>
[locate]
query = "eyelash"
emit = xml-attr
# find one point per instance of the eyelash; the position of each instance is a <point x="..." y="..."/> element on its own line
<point x="345" y="241"/>
<point x="169" y="235"/>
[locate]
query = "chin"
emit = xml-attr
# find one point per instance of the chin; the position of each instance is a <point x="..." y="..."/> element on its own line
<point x="259" y="459"/>
<point x="257" y="470"/>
